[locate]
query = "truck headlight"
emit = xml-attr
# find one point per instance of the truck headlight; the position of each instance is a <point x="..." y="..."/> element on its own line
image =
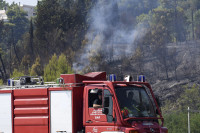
<point x="133" y="131"/>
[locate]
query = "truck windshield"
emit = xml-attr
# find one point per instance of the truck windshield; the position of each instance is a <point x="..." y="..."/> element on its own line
<point x="134" y="102"/>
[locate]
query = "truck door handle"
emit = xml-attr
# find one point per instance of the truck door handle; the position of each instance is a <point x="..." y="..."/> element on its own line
<point x="89" y="121"/>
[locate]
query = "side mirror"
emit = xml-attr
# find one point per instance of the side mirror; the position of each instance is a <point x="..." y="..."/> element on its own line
<point x="105" y="111"/>
<point x="106" y="102"/>
<point x="157" y="100"/>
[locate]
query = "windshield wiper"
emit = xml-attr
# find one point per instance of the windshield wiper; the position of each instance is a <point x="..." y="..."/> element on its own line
<point x="141" y="118"/>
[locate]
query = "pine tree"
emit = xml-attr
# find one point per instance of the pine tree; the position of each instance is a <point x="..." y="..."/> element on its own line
<point x="51" y="70"/>
<point x="56" y="67"/>
<point x="36" y="69"/>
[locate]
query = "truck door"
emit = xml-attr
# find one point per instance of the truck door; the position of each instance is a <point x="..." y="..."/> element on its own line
<point x="61" y="111"/>
<point x="96" y="120"/>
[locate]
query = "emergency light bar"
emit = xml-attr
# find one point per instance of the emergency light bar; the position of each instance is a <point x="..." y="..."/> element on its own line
<point x="10" y="82"/>
<point x="112" y="77"/>
<point x="141" y="78"/>
<point x="25" y="80"/>
<point x="128" y="78"/>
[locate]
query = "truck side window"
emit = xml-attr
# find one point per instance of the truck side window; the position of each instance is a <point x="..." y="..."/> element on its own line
<point x="95" y="99"/>
<point x="110" y="107"/>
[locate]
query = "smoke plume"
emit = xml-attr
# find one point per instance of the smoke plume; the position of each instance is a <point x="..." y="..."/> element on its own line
<point x="112" y="32"/>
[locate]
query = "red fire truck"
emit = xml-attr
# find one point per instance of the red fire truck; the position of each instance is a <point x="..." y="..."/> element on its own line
<point x="30" y="106"/>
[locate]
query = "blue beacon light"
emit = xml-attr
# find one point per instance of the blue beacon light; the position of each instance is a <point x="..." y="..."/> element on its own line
<point x="112" y="77"/>
<point x="141" y="78"/>
<point x="9" y="82"/>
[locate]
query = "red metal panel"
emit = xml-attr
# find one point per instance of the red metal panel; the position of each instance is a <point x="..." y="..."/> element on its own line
<point x="5" y="91"/>
<point x="40" y="101"/>
<point x="31" y="110"/>
<point x="99" y="129"/>
<point x="23" y="121"/>
<point x="77" y="78"/>
<point x="30" y="92"/>
<point x="31" y="129"/>
<point x="77" y="110"/>
<point x="96" y="115"/>
<point x="60" y="89"/>
<point x="97" y="75"/>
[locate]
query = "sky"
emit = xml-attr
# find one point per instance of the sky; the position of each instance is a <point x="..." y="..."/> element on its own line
<point x="23" y="2"/>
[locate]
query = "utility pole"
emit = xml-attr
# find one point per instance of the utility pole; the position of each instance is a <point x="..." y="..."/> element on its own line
<point x="188" y="119"/>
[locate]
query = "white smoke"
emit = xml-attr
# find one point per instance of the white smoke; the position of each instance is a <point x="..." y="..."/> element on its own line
<point x="108" y="33"/>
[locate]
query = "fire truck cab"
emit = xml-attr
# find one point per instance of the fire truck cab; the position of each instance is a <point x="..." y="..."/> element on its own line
<point x="69" y="106"/>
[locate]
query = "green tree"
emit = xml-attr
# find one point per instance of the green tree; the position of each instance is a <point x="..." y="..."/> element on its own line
<point x="179" y="18"/>
<point x="16" y="73"/>
<point x="48" y="17"/>
<point x="14" y="30"/>
<point x="138" y="58"/>
<point x="176" y="122"/>
<point x="197" y="24"/>
<point x="168" y="3"/>
<point x="194" y="5"/>
<point x="17" y="17"/>
<point x="1" y="30"/>
<point x="51" y="70"/>
<point x="190" y="7"/>
<point x="3" y="4"/>
<point x="161" y="34"/>
<point x="31" y="37"/>
<point x="36" y="69"/>
<point x="63" y="66"/>
<point x="1" y="82"/>
<point x="3" y="70"/>
<point x="176" y="112"/>
<point x="190" y="98"/>
<point x="25" y="64"/>
<point x="180" y="25"/>
<point x="50" y="24"/>
<point x="162" y="29"/>
<point x="56" y="67"/>
<point x="195" y="117"/>
<point x="62" y="27"/>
